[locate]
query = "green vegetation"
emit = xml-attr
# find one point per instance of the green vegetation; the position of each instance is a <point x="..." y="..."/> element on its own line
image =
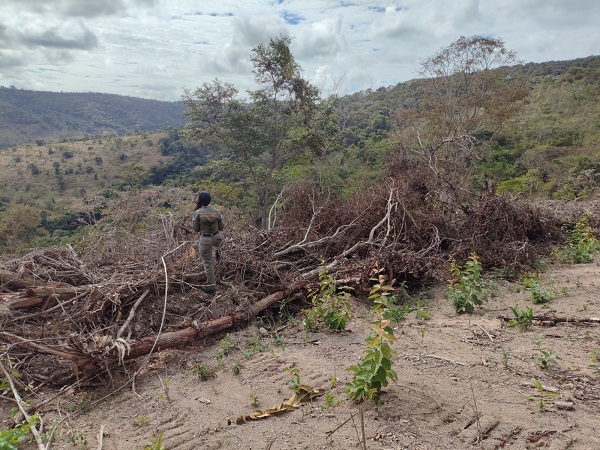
<point x="466" y="286"/>
<point x="374" y="370"/>
<point x="551" y="153"/>
<point x="522" y="317"/>
<point x="539" y="294"/>
<point x="141" y="421"/>
<point x="11" y="438"/>
<point x="225" y="346"/>
<point x="546" y="357"/>
<point x="331" y="304"/>
<point x="541" y="398"/>
<point x="156" y="442"/>
<point x="54" y="115"/>
<point x="294" y="382"/>
<point x="204" y="372"/>
<point x="581" y="243"/>
<point x="286" y="121"/>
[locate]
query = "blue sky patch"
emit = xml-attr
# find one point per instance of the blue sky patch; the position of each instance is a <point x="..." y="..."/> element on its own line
<point x="292" y="18"/>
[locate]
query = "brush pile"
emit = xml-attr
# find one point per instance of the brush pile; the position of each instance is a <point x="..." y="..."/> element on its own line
<point x="131" y="287"/>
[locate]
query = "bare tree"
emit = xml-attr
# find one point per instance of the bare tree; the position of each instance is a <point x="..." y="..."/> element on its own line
<point x="467" y="97"/>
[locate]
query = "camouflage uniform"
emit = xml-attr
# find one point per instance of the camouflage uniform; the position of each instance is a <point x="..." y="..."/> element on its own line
<point x="207" y="220"/>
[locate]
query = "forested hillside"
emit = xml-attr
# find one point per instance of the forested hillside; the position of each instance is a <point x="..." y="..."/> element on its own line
<point x="550" y="150"/>
<point x="28" y="116"/>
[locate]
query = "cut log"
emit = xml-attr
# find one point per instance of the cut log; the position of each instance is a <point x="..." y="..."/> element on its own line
<point x="199" y="330"/>
<point x="34" y="295"/>
<point x="17" y="281"/>
<point x="172" y="339"/>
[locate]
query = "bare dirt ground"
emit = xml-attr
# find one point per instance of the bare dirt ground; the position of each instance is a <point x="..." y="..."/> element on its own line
<point x="463" y="383"/>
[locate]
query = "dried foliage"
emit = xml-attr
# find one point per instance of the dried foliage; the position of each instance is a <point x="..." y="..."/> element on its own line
<point x="81" y="310"/>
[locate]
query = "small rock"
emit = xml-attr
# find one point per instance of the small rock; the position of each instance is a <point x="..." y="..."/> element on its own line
<point x="569" y="406"/>
<point x="263" y="332"/>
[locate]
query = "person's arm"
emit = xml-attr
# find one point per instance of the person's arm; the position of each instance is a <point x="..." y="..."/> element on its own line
<point x="196" y="222"/>
<point x="221" y="224"/>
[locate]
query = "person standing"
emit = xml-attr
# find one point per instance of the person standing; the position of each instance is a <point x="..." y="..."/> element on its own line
<point x="207" y="221"/>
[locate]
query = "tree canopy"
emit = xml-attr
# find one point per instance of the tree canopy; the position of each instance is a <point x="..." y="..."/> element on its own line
<point x="282" y="120"/>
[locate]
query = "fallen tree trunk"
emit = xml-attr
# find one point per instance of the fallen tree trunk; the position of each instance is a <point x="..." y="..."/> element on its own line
<point x="99" y="353"/>
<point x="196" y="331"/>
<point x="172" y="339"/>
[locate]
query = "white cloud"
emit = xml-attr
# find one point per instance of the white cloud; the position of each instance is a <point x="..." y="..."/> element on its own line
<point x="155" y="48"/>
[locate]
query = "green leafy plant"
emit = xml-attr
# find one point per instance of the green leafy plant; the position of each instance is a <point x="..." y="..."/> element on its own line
<point x="539" y="294"/>
<point x="236" y="369"/>
<point x="204" y="371"/>
<point x="542" y="396"/>
<point x="256" y="346"/>
<point x="466" y="287"/>
<point x="423" y="313"/>
<point x="329" y="401"/>
<point x="523" y="317"/>
<point x="294" y="381"/>
<point x="581" y="243"/>
<point x="78" y="437"/>
<point x="225" y="346"/>
<point x="374" y="370"/>
<point x="156" y="442"/>
<point x="254" y="400"/>
<point x="11" y="438"/>
<point x="331" y="304"/>
<point x="546" y="357"/>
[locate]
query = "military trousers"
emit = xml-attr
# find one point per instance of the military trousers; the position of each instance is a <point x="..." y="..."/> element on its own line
<point x="206" y="245"/>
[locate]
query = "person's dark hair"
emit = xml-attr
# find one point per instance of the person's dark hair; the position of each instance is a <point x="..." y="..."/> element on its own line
<point x="203" y="199"/>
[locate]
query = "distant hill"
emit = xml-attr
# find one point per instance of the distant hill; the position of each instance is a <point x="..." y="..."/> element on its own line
<point x="29" y="116"/>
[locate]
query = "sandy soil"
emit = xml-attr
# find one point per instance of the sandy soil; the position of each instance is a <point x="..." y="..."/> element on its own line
<point x="463" y="383"/>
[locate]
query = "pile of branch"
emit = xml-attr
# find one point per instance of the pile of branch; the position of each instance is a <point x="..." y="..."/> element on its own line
<point x="126" y="291"/>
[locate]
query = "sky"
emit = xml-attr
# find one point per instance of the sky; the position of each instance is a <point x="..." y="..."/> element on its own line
<point x="158" y="48"/>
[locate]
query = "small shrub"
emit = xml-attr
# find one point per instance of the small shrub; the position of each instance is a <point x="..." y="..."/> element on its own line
<point x="294" y="381"/>
<point x="156" y="443"/>
<point x="11" y="438"/>
<point x="225" y="346"/>
<point x="374" y="370"/>
<point x="141" y="421"/>
<point x="204" y="371"/>
<point x="256" y="346"/>
<point x="331" y="305"/>
<point x="329" y="401"/>
<point x="539" y="294"/>
<point x="466" y="286"/>
<point x="523" y="317"/>
<point x="542" y="396"/>
<point x="546" y="357"/>
<point x="581" y="243"/>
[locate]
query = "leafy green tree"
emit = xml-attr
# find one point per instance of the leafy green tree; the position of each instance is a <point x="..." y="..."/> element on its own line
<point x="280" y="121"/>
<point x="466" y="100"/>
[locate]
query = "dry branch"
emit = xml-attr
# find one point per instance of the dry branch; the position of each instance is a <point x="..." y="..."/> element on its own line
<point x="556" y="320"/>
